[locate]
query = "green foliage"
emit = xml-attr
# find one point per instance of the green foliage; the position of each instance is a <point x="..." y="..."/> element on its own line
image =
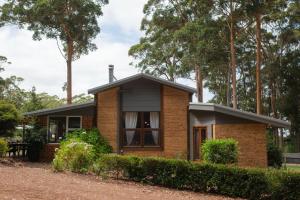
<point x="285" y="185"/>
<point x="73" y="155"/>
<point x="36" y="138"/>
<point x="3" y="147"/>
<point x="220" y="151"/>
<point x="218" y="179"/>
<point x="9" y="118"/>
<point x="78" y="151"/>
<point x="93" y="137"/>
<point x="275" y="156"/>
<point x="69" y="21"/>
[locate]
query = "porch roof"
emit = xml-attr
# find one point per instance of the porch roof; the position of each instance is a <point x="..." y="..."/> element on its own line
<point x="140" y="76"/>
<point x="241" y="114"/>
<point x="59" y="109"/>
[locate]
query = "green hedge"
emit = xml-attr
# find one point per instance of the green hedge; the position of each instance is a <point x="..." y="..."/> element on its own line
<point x="218" y="179"/>
<point x="220" y="151"/>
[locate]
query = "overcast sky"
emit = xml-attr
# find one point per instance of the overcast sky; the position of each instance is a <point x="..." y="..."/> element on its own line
<point x="42" y="66"/>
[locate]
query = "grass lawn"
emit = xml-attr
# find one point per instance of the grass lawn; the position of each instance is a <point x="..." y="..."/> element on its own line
<point x="293" y="167"/>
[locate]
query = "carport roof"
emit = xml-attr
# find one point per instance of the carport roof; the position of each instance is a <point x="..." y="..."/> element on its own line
<point x="60" y="109"/>
<point x="241" y="114"/>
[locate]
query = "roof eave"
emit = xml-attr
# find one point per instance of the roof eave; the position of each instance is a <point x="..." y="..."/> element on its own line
<point x="58" y="109"/>
<point x="241" y="114"/>
<point x="139" y="76"/>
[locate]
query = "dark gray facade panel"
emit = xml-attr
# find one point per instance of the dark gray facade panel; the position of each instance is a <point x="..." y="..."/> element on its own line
<point x="140" y="95"/>
<point x="228" y="119"/>
<point x="202" y="118"/>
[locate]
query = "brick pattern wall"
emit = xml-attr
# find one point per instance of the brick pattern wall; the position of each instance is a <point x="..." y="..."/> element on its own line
<point x="107" y="115"/>
<point x="87" y="122"/>
<point x="42" y="121"/>
<point x="251" y="142"/>
<point x="47" y="154"/>
<point x="174" y="111"/>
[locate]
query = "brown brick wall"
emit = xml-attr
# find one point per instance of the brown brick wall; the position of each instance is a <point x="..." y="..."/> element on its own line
<point x="174" y="111"/>
<point x="42" y="121"/>
<point x="107" y="115"/>
<point x="87" y="122"/>
<point x="251" y="142"/>
<point x="47" y="154"/>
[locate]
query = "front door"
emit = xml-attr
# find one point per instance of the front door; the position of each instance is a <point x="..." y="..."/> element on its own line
<point x="199" y="137"/>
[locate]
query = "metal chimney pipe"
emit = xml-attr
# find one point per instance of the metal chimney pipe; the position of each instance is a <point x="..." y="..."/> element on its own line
<point x="110" y="73"/>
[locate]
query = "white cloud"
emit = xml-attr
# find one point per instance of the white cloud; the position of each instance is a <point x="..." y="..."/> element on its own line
<point x="41" y="65"/>
<point x="127" y="14"/>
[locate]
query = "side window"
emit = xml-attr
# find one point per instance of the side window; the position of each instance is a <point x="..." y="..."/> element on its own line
<point x="74" y="123"/>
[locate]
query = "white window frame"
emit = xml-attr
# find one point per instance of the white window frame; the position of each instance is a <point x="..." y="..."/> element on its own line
<point x="67" y="122"/>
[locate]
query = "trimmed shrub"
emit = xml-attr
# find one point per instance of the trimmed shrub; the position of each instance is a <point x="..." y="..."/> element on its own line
<point x="93" y="137"/>
<point x="286" y="186"/>
<point x="3" y="147"/>
<point x="220" y="151"/>
<point x="74" y="155"/>
<point x="182" y="174"/>
<point x="274" y="156"/>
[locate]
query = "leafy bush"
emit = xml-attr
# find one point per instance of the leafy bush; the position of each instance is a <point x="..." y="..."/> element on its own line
<point x="287" y="187"/>
<point x="219" y="179"/>
<point x="9" y="118"/>
<point x="36" y="138"/>
<point x="3" y="147"/>
<point x="182" y="174"/>
<point x="220" y="151"/>
<point x="93" y="137"/>
<point x="74" y="155"/>
<point x="274" y="156"/>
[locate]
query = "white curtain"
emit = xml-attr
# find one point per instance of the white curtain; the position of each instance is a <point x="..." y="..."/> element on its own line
<point x="130" y="122"/>
<point x="154" y="123"/>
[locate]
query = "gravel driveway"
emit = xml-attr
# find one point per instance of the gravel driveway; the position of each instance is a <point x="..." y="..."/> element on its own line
<point x="37" y="181"/>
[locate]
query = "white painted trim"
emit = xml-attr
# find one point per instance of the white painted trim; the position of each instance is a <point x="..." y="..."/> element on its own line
<point x="67" y="123"/>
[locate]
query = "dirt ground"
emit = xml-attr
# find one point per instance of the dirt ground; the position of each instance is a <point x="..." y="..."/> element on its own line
<point x="37" y="181"/>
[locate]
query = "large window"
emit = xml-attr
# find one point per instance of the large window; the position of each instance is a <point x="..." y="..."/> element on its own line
<point x="59" y="126"/>
<point x="141" y="129"/>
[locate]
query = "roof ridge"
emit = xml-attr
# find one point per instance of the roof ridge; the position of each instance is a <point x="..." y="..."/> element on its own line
<point x="138" y="76"/>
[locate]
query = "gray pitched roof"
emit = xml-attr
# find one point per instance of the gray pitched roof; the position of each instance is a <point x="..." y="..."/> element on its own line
<point x="140" y="76"/>
<point x="241" y="114"/>
<point x="60" y="108"/>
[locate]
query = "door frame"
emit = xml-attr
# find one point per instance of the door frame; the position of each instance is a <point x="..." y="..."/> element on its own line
<point x="197" y="141"/>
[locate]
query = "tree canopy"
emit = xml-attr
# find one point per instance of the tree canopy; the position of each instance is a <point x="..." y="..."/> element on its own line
<point x="72" y="22"/>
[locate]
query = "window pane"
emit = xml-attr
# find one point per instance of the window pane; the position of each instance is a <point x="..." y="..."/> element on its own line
<point x="132" y="138"/>
<point x="147" y="120"/>
<point x="131" y="120"/>
<point x="151" y="138"/>
<point x="74" y="122"/>
<point x="57" y="129"/>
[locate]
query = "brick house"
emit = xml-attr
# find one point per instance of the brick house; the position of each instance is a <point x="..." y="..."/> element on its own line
<point x="148" y="116"/>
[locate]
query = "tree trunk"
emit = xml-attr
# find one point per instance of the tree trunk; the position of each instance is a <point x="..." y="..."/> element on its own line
<point x="258" y="62"/>
<point x="199" y="83"/>
<point x="228" y="86"/>
<point x="69" y="70"/>
<point x="233" y="58"/>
